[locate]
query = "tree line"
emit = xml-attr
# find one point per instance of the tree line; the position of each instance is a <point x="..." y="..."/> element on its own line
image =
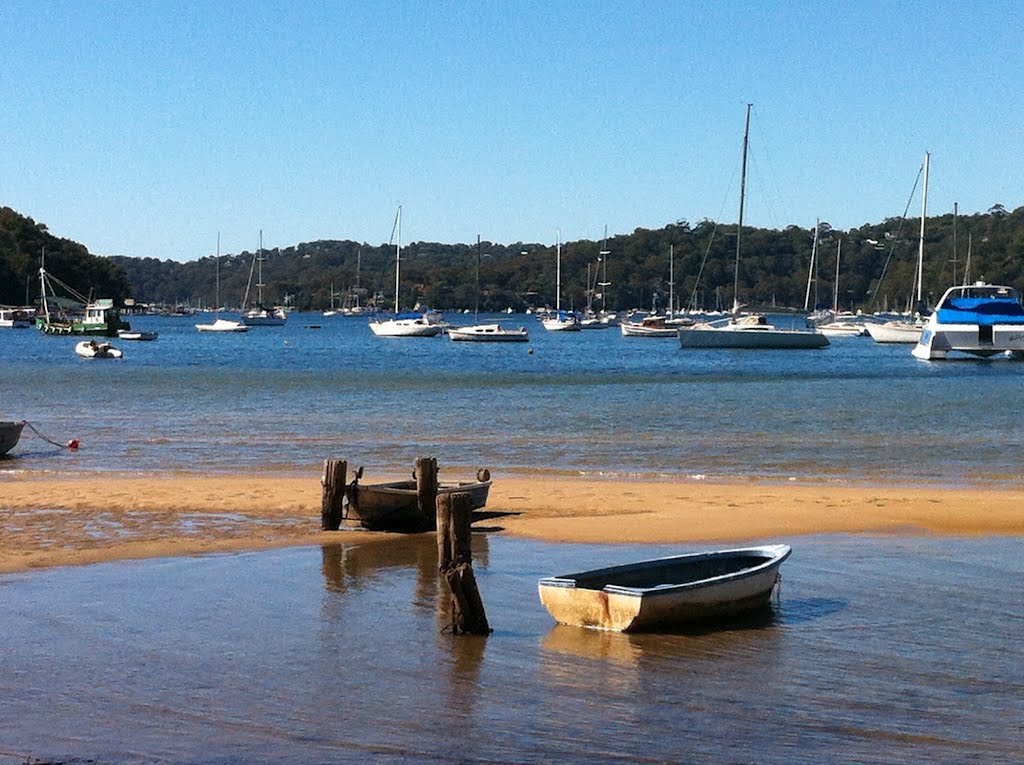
<point x="876" y="268"/>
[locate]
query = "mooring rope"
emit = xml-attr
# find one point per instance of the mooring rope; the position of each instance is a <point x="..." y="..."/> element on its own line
<point x="72" y="444"/>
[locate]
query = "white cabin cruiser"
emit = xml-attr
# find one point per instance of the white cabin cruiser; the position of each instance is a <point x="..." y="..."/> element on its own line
<point x="979" y="320"/>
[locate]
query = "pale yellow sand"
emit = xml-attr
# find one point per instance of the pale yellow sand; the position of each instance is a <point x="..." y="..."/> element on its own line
<point x="46" y="522"/>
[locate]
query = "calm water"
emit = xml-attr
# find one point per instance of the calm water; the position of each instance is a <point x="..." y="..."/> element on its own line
<point x="879" y="651"/>
<point x="592" y="402"/>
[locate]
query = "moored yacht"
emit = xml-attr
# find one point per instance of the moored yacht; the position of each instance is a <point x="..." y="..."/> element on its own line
<point x="979" y="320"/>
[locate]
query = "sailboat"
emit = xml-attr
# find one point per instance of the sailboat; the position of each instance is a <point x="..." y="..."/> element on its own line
<point x="409" y="325"/>
<point x="840" y="324"/>
<point x="907" y="331"/>
<point x="219" y="324"/>
<point x="486" y="333"/>
<point x="259" y="315"/>
<point x="560" y="321"/>
<point x="332" y="310"/>
<point x="656" y="325"/>
<point x="750" y="331"/>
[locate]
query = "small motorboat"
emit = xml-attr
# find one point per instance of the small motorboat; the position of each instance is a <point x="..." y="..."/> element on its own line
<point x="394" y="506"/>
<point x="665" y="593"/>
<point x="135" y="334"/>
<point x="10" y="432"/>
<point x="90" y="349"/>
<point x="223" y="325"/>
<point x="488" y="333"/>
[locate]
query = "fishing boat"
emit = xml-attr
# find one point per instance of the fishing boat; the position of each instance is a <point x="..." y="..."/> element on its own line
<point x="219" y="324"/>
<point x="260" y="315"/>
<point x="408" y="324"/>
<point x="10" y="432"/>
<point x="100" y="317"/>
<point x="90" y="349"/>
<point x="978" y="320"/>
<point x="665" y="593"/>
<point x="751" y="331"/>
<point x="488" y="333"/>
<point x="394" y="506"/>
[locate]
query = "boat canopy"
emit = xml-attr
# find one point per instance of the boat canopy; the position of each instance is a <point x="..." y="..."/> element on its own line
<point x="982" y="305"/>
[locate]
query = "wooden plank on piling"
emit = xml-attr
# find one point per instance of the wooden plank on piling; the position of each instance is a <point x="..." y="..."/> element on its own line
<point x="426" y="487"/>
<point x="332" y="501"/>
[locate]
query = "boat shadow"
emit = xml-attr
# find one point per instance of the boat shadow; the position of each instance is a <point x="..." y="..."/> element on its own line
<point x="488" y="515"/>
<point x="806" y="610"/>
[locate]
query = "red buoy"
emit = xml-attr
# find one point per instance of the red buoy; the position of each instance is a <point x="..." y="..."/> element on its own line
<point x="73" y="443"/>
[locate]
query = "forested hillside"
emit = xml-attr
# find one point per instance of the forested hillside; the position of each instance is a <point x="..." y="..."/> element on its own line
<point x="876" y="268"/>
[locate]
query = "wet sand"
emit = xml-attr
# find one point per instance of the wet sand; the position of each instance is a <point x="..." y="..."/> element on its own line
<point x="46" y="522"/>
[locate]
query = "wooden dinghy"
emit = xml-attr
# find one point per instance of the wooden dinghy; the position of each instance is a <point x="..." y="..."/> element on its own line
<point x="666" y="592"/>
<point x="395" y="505"/>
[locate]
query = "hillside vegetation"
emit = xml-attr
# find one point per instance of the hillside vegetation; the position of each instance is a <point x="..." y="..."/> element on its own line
<point x="876" y="272"/>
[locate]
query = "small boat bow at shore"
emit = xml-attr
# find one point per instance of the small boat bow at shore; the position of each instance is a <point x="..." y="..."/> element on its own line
<point x="10" y="432"/>
<point x="664" y="593"/>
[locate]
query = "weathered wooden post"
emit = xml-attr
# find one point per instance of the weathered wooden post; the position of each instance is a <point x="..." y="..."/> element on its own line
<point x="426" y="487"/>
<point x="332" y="501"/>
<point x="455" y="563"/>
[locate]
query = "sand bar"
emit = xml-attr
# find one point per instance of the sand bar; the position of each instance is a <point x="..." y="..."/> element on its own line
<point x="46" y="522"/>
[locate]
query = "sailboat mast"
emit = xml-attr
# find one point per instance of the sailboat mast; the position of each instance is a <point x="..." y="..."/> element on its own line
<point x="739" y="228"/>
<point x="398" y="253"/>
<point x="813" y="267"/>
<point x="924" y="213"/>
<point x="671" y="281"/>
<point x="216" y="270"/>
<point x="605" y="284"/>
<point x="259" y="273"/>
<point x="476" y="304"/>
<point x="835" y="289"/>
<point x="558" y="272"/>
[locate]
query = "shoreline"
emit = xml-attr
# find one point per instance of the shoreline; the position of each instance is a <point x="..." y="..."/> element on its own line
<point x="48" y="522"/>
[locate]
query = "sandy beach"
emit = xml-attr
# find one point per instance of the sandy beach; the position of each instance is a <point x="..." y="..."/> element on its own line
<point x="46" y="522"/>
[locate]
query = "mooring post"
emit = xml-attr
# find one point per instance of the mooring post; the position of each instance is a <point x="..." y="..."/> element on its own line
<point x="332" y="501"/>
<point x="455" y="562"/>
<point x="426" y="487"/>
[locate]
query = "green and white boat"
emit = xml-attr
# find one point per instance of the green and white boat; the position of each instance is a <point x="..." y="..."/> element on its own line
<point x="98" y="317"/>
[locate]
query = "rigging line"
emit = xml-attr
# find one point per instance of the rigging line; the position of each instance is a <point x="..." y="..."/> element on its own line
<point x="896" y="237"/>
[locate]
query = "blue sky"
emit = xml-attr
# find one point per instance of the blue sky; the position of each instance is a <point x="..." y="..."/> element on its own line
<point x="145" y="128"/>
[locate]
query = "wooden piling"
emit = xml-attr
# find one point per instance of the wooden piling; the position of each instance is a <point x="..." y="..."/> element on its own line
<point x="332" y="501"/>
<point x="455" y="563"/>
<point x="426" y="488"/>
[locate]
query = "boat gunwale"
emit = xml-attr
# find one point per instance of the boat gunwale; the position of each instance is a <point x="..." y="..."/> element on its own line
<point x="777" y="554"/>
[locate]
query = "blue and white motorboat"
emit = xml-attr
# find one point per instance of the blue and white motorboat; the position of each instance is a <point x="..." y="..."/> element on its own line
<point x="979" y="319"/>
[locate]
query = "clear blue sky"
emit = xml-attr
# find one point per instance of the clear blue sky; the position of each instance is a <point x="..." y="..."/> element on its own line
<point x="144" y="128"/>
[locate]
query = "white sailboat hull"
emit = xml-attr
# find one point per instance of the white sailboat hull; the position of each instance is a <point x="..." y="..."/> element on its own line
<point x="895" y="332"/>
<point x="404" y="328"/>
<point x="752" y="337"/>
<point x="223" y="325"/>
